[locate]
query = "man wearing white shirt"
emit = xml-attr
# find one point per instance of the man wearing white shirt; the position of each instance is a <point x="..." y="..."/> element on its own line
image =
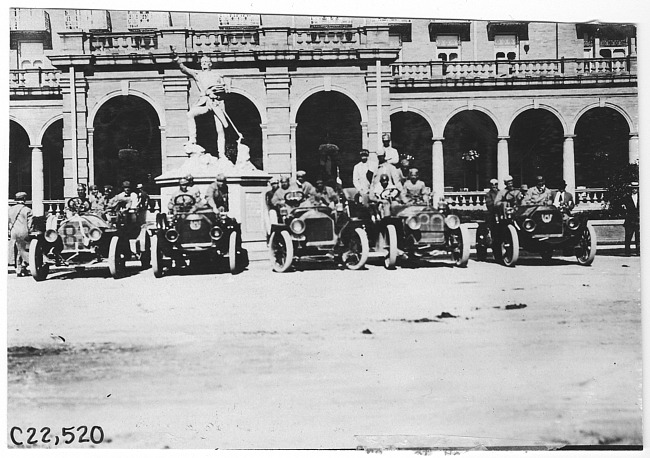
<point x="392" y="156"/>
<point x="361" y="174"/>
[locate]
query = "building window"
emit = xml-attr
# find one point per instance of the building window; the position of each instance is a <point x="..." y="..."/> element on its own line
<point x="72" y="19"/>
<point x="139" y="20"/>
<point x="448" y="47"/>
<point x="505" y="47"/>
<point x="239" y="20"/>
<point x="330" y="21"/>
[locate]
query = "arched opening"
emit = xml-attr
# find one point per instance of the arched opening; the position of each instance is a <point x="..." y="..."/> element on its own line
<point x="244" y="115"/>
<point x="469" y="151"/>
<point x="328" y="118"/>
<point x="53" y="160"/>
<point x="411" y="135"/>
<point x="600" y="146"/>
<point x="127" y="143"/>
<point x="536" y="147"/>
<point x="20" y="161"/>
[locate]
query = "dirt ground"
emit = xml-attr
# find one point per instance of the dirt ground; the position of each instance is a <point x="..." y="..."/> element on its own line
<point x="325" y="358"/>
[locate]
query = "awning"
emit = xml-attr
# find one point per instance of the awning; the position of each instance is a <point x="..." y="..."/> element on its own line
<point x="511" y="28"/>
<point x="460" y="28"/>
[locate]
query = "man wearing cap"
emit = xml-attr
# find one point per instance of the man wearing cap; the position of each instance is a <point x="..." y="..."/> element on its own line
<point x="385" y="168"/>
<point x="96" y="200"/>
<point x="507" y="197"/>
<point x="392" y="156"/>
<point x="127" y="199"/>
<point x="193" y="190"/>
<point x="20" y="223"/>
<point x="362" y="176"/>
<point x="523" y="189"/>
<point x="403" y="169"/>
<point x="413" y="191"/>
<point x="491" y="196"/>
<point x="563" y="199"/>
<point x="212" y="87"/>
<point x="274" y="182"/>
<point x="384" y="193"/>
<point x="324" y="195"/>
<point x="217" y="194"/>
<point x="540" y="194"/>
<point x="301" y="184"/>
<point x="143" y="197"/>
<point x="78" y="204"/>
<point x="277" y="200"/>
<point x="631" y="224"/>
<point x="183" y="185"/>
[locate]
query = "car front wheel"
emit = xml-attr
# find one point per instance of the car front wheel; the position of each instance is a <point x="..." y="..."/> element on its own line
<point x="460" y="253"/>
<point x="357" y="250"/>
<point x="37" y="267"/>
<point x="156" y="257"/>
<point x="387" y="244"/>
<point x="509" y="247"/>
<point x="586" y="251"/>
<point x="115" y="258"/>
<point x="232" y="252"/>
<point x="145" y="254"/>
<point x="281" y="251"/>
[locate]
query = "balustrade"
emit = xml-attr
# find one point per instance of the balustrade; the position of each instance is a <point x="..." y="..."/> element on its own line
<point x="217" y="40"/>
<point x="123" y="43"/>
<point x="326" y="38"/>
<point x="34" y="78"/>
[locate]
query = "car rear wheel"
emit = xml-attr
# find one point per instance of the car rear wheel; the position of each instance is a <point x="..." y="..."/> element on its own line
<point x="460" y="253"/>
<point x="357" y="250"/>
<point x="509" y="246"/>
<point x="232" y="253"/>
<point x="281" y="251"/>
<point x="115" y="258"/>
<point x="586" y="251"/>
<point x="387" y="244"/>
<point x="156" y="257"/>
<point x="37" y="267"/>
<point x="145" y="254"/>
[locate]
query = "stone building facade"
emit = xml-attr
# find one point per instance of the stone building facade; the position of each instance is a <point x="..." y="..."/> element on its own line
<point x="96" y="98"/>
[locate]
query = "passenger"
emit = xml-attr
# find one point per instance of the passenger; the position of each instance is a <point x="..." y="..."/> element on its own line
<point x="403" y="170"/>
<point x="362" y="177"/>
<point x="217" y="194"/>
<point x="274" y="182"/>
<point x="563" y="199"/>
<point x="540" y="194"/>
<point x="183" y="189"/>
<point x="384" y="168"/>
<point x="523" y="189"/>
<point x="324" y="195"/>
<point x="384" y="194"/>
<point x="491" y="196"/>
<point x="126" y="200"/>
<point x="96" y="200"/>
<point x="413" y="191"/>
<point x="301" y="184"/>
<point x="507" y="197"/>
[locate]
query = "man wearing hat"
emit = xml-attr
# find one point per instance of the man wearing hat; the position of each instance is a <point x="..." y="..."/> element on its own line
<point x="301" y="184"/>
<point x="127" y="199"/>
<point x="362" y="176"/>
<point x="143" y="197"/>
<point x="563" y="199"/>
<point x="413" y="191"/>
<point x="20" y="223"/>
<point x="507" y="197"/>
<point x="392" y="156"/>
<point x="631" y="224"/>
<point x="217" y="194"/>
<point x="183" y="184"/>
<point x="491" y="196"/>
<point x="540" y="194"/>
<point x="277" y="200"/>
<point x="274" y="182"/>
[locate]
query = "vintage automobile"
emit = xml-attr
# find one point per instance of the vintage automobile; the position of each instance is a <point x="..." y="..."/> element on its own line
<point x="86" y="239"/>
<point x="195" y="234"/>
<point x="416" y="231"/>
<point x="537" y="229"/>
<point x="303" y="230"/>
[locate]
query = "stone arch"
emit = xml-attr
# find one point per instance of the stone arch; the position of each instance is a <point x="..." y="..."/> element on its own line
<point x="482" y="109"/>
<point x="418" y="111"/>
<point x="613" y="106"/>
<point x="20" y="159"/>
<point x="334" y="88"/>
<point x="245" y="115"/>
<point x="412" y="134"/>
<point x="51" y="139"/>
<point x="47" y="126"/>
<point x="540" y="106"/>
<point x="24" y="125"/>
<point x="261" y="109"/>
<point x="143" y="95"/>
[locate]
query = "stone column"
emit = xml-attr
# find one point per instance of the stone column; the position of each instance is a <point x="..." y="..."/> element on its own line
<point x="38" y="181"/>
<point x="91" y="155"/>
<point x="364" y="135"/>
<point x="175" y="134"/>
<point x="503" y="160"/>
<point x="292" y="150"/>
<point x="438" y="168"/>
<point x="280" y="136"/>
<point x="633" y="148"/>
<point x="569" y="164"/>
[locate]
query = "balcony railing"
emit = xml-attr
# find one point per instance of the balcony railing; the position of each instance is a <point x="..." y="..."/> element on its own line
<point x="333" y="37"/>
<point x="436" y="70"/>
<point x="224" y="40"/>
<point x="34" y="78"/>
<point x="123" y="43"/>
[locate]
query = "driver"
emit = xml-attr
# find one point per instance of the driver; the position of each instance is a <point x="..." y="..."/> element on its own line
<point x="126" y="200"/>
<point x="384" y="194"/>
<point x="183" y="190"/>
<point x="79" y="204"/>
<point x="322" y="195"/>
<point x="413" y="191"/>
<point x="277" y="200"/>
<point x="507" y="197"/>
<point x="217" y="194"/>
<point x="540" y="194"/>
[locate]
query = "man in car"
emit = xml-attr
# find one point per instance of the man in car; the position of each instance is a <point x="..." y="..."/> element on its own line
<point x="191" y="188"/>
<point x="302" y="184"/>
<point x="274" y="182"/>
<point x="183" y="185"/>
<point x="217" y="194"/>
<point x="523" y="189"/>
<point x="79" y="204"/>
<point x="392" y="156"/>
<point x="125" y="200"/>
<point x="278" y="198"/>
<point x="384" y="194"/>
<point x="563" y="199"/>
<point x="324" y="195"/>
<point x="403" y="169"/>
<point x="413" y="191"/>
<point x="507" y="197"/>
<point x="384" y="168"/>
<point x="362" y="176"/>
<point x="96" y="199"/>
<point x="143" y="197"/>
<point x="20" y="223"/>
<point x="540" y="194"/>
<point x="491" y="197"/>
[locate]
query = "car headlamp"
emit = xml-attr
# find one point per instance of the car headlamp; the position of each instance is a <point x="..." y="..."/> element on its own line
<point x="51" y="235"/>
<point x="452" y="222"/>
<point x="297" y="226"/>
<point x="413" y="223"/>
<point x="216" y="233"/>
<point x="95" y="234"/>
<point x="171" y="235"/>
<point x="529" y="225"/>
<point x="573" y="224"/>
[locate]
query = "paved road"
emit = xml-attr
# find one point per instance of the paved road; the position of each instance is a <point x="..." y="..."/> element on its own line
<point x="325" y="358"/>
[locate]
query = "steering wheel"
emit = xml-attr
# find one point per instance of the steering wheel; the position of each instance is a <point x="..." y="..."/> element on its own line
<point x="78" y="205"/>
<point x="184" y="200"/>
<point x="294" y="198"/>
<point x="389" y="193"/>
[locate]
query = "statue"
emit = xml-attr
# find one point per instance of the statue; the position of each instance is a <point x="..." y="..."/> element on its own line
<point x="212" y="87"/>
<point x="244" y="163"/>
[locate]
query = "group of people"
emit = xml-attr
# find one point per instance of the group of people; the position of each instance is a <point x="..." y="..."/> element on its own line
<point x="216" y="195"/>
<point x="314" y="195"/>
<point x="107" y="201"/>
<point x="496" y="199"/>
